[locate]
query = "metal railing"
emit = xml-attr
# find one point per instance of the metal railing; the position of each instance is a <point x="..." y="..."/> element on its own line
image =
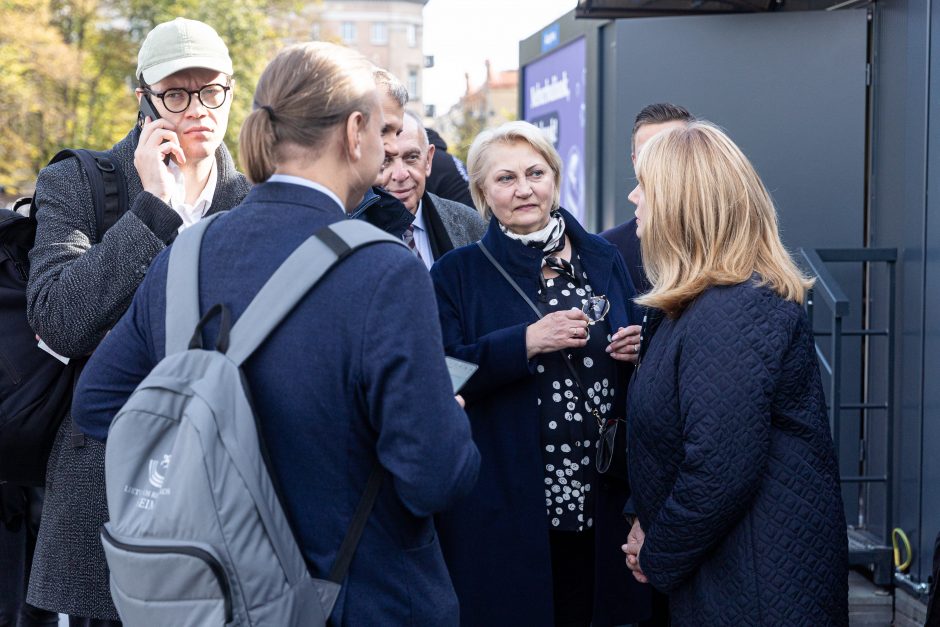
<point x="865" y="548"/>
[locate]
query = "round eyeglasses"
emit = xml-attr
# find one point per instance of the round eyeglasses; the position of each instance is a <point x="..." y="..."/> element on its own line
<point x="596" y="308"/>
<point x="177" y="100"/>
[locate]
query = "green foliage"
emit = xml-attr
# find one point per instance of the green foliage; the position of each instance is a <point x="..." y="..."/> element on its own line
<point x="470" y="125"/>
<point x="38" y="68"/>
<point x="68" y="69"/>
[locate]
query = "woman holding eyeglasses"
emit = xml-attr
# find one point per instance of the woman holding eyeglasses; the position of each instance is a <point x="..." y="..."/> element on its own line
<point x="535" y="304"/>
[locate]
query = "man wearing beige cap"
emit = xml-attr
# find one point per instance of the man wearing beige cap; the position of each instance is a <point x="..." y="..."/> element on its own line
<point x="177" y="171"/>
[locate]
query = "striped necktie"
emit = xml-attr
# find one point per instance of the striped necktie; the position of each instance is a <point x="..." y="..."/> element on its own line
<point x="409" y="238"/>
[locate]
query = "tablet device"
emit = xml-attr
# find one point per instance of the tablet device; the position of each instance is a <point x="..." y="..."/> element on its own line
<point x="460" y="371"/>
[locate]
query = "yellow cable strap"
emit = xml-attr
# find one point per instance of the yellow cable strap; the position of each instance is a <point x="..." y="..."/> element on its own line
<point x="896" y="533"/>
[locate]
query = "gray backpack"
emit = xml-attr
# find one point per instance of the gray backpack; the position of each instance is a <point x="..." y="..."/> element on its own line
<point x="197" y="534"/>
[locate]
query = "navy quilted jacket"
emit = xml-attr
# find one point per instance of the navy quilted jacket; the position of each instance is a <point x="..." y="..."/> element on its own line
<point x="733" y="470"/>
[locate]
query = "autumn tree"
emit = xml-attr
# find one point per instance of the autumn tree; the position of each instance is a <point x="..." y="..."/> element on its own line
<point x="68" y="69"/>
<point x="39" y="67"/>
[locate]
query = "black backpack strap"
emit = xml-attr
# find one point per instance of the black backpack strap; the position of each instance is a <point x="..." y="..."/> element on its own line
<point x="108" y="185"/>
<point x="19" y="203"/>
<point x="348" y="548"/>
<point x="109" y="196"/>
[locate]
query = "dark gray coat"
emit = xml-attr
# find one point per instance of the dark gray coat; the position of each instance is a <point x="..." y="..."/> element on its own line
<point x="77" y="291"/>
<point x="462" y="223"/>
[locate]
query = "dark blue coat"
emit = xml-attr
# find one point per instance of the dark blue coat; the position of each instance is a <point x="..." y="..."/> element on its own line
<point x="495" y="540"/>
<point x="355" y="373"/>
<point x="734" y="474"/>
<point x="625" y="239"/>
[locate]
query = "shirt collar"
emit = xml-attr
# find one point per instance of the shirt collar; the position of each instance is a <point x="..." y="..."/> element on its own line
<point x="204" y="201"/>
<point x="297" y="180"/>
<point x="419" y="217"/>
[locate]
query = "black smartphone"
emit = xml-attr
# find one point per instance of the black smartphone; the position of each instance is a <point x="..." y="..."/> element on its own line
<point x="147" y="109"/>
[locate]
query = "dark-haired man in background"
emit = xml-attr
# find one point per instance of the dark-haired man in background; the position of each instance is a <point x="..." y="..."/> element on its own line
<point x="652" y="119"/>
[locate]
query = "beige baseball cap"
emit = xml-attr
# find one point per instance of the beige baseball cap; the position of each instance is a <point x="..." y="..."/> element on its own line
<point x="181" y="44"/>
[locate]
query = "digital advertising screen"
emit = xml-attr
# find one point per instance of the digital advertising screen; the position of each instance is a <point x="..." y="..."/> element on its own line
<point x="554" y="101"/>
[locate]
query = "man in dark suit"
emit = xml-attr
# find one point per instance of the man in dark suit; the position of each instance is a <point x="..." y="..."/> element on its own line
<point x="440" y="225"/>
<point x="652" y="119"/>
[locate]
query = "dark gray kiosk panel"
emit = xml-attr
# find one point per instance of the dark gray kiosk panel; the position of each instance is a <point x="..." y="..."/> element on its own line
<point x="792" y="90"/>
<point x="789" y="88"/>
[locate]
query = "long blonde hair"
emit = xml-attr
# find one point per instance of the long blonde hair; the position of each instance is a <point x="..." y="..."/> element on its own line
<point x="304" y="93"/>
<point x="709" y="221"/>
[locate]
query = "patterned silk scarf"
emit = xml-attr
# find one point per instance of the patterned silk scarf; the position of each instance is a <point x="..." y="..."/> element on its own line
<point x="549" y="240"/>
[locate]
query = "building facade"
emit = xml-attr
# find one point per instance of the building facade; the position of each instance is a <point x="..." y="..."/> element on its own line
<point x="387" y="32"/>
<point x="481" y="107"/>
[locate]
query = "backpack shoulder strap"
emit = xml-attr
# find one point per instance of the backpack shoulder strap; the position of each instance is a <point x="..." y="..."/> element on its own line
<point x="182" y="286"/>
<point x="310" y="262"/>
<point x="354" y="533"/>
<point x="108" y="185"/>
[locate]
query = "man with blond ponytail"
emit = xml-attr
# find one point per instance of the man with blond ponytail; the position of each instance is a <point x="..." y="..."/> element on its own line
<point x="177" y="170"/>
<point x="351" y="384"/>
<point x="734" y="474"/>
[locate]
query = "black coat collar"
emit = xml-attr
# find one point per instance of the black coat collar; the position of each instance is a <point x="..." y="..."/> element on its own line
<point x="437" y="232"/>
<point x="384" y="211"/>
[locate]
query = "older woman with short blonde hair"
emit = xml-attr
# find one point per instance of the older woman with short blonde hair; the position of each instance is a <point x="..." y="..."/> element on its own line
<point x="480" y="157"/>
<point x="736" y="485"/>
<point x="536" y="305"/>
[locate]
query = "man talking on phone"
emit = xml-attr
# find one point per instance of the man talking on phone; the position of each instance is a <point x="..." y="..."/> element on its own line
<point x="177" y="171"/>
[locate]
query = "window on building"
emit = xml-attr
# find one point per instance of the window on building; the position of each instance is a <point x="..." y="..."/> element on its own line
<point x="349" y="32"/>
<point x="411" y="33"/>
<point x="413" y="84"/>
<point x="379" y="33"/>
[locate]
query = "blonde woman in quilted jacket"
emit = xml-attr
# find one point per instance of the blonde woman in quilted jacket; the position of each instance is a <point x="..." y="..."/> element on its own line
<point x="735" y="480"/>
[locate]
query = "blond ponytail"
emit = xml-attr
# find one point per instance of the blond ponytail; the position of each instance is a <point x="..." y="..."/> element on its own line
<point x="304" y="93"/>
<point x="256" y="143"/>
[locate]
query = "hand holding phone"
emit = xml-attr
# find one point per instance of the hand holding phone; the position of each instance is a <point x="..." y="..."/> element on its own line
<point x="158" y="141"/>
<point x="148" y="110"/>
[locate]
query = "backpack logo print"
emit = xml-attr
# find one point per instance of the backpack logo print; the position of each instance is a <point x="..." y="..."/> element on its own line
<point x="158" y="469"/>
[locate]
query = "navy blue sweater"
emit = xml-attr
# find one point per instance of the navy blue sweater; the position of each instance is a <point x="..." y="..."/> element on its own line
<point x="355" y="373"/>
<point x="732" y="466"/>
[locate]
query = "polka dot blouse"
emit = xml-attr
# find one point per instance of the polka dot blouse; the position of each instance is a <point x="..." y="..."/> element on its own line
<point x="568" y="429"/>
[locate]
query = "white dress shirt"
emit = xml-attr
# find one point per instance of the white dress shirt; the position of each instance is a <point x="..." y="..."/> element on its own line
<point x="191" y="213"/>
<point x="422" y="243"/>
